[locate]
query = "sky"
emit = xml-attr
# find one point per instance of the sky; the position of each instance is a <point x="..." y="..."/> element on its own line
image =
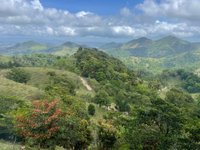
<point x="98" y="20"/>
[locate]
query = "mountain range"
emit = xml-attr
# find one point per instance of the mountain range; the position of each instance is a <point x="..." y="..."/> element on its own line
<point x="31" y="47"/>
<point x="142" y="53"/>
<point x="156" y="55"/>
<point x="144" y="47"/>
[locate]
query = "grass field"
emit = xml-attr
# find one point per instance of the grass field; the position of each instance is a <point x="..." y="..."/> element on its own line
<point x="22" y="91"/>
<point x="8" y="146"/>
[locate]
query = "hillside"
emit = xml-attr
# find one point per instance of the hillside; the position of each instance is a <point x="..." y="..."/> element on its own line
<point x="91" y="96"/>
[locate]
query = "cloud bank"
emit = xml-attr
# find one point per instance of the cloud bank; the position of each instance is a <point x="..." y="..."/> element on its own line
<point x="150" y="18"/>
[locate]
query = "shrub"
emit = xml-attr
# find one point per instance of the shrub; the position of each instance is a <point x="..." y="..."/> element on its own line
<point x="91" y="109"/>
<point x="41" y="123"/>
<point x="107" y="135"/>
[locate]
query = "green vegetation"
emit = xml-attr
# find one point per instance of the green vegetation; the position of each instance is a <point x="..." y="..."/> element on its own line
<point x="91" y="110"/>
<point x="188" y="80"/>
<point x="18" y="75"/>
<point x="45" y="104"/>
<point x="156" y="55"/>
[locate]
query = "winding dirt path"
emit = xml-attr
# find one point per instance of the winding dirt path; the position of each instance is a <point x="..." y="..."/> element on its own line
<point x="84" y="82"/>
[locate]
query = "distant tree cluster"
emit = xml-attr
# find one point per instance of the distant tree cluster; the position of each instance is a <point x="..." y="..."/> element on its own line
<point x="190" y="81"/>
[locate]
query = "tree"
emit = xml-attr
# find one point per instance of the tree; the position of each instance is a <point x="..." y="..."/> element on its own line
<point x="178" y="97"/>
<point x="60" y="86"/>
<point x="91" y="109"/>
<point x="122" y="102"/>
<point x="75" y="133"/>
<point x="19" y="75"/>
<point x="156" y="127"/>
<point x="192" y="139"/>
<point x="102" y="98"/>
<point x="107" y="135"/>
<point x="41" y="123"/>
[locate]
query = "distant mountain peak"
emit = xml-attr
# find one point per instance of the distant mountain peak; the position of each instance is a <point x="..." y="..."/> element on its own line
<point x="27" y="44"/>
<point x="170" y="38"/>
<point x="70" y="44"/>
<point x="144" y="39"/>
<point x="141" y="41"/>
<point x="110" y="45"/>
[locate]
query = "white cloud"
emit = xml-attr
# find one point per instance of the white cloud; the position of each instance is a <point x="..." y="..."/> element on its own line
<point x="37" y="5"/>
<point x="179" y="9"/>
<point x="29" y="17"/>
<point x="82" y="14"/>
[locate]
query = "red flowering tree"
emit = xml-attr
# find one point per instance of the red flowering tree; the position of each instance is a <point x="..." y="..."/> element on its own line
<point x="41" y="123"/>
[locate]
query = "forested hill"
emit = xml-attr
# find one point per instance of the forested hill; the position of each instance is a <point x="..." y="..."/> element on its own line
<point x="44" y="104"/>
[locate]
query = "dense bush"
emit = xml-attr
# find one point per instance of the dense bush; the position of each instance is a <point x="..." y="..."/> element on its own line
<point x="102" y="98"/>
<point x="8" y="106"/>
<point x="107" y="135"/>
<point x="18" y="75"/>
<point x="91" y="109"/>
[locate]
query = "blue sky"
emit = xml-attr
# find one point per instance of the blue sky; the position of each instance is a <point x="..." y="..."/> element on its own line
<point x="101" y="7"/>
<point x="98" y="20"/>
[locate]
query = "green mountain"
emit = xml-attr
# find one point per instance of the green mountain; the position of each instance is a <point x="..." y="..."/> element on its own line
<point x="28" y="47"/>
<point x="138" y="47"/>
<point x="170" y="46"/>
<point x="67" y="48"/>
<point x="111" y="45"/>
<point x="144" y="47"/>
<point x="31" y="47"/>
<point x="155" y="56"/>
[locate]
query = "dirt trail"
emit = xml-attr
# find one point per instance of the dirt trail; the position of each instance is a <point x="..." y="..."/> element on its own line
<point x="84" y="82"/>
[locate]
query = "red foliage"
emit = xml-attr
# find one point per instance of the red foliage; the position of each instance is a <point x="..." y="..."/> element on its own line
<point x="42" y="122"/>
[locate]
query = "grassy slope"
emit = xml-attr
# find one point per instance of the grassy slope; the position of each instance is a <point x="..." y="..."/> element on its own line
<point x="8" y="146"/>
<point x="4" y="58"/>
<point x="11" y="88"/>
<point x="39" y="80"/>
